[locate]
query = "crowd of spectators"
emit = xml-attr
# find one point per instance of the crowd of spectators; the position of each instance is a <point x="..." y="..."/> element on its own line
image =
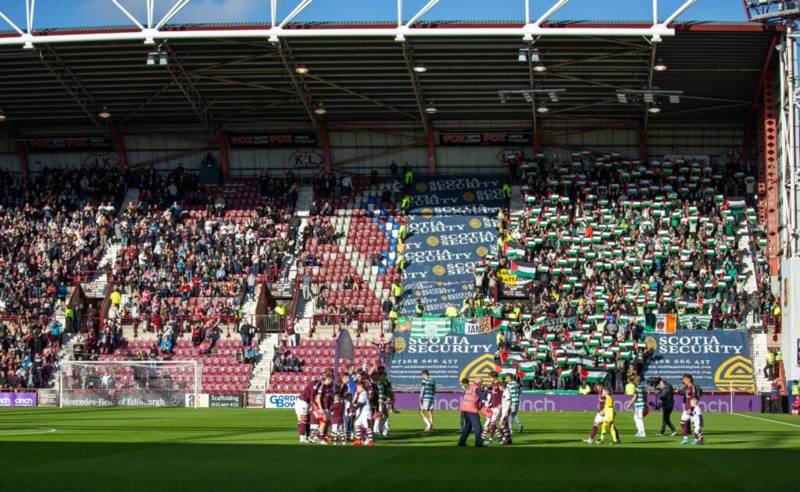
<point x="625" y="238"/>
<point x="189" y="258"/>
<point x="189" y="262"/>
<point x="53" y="231"/>
<point x="604" y="249"/>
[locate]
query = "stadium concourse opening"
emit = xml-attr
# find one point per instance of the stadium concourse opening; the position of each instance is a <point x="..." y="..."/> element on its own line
<point x="540" y="230"/>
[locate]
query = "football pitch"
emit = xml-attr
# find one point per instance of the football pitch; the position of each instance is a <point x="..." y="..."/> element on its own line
<point x="87" y="449"/>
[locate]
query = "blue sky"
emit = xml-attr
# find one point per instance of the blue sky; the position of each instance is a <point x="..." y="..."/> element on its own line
<point x="53" y="13"/>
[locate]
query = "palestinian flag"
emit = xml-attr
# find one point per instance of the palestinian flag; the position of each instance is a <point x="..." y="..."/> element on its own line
<point x="515" y="357"/>
<point x="527" y="366"/>
<point x="523" y="269"/>
<point x="595" y="376"/>
<point x="505" y="370"/>
<point x="514" y="250"/>
<point x="737" y="207"/>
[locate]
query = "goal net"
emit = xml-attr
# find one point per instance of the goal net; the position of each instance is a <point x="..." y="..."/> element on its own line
<point x="129" y="383"/>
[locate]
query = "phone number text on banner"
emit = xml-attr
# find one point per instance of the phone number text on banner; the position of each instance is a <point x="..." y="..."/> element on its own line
<point x="717" y="360"/>
<point x="449" y="359"/>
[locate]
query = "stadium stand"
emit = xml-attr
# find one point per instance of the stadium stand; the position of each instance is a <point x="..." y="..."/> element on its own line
<point x="347" y="264"/>
<point x="350" y="252"/>
<point x="608" y="248"/>
<point x="190" y="262"/>
<point x="54" y="230"/>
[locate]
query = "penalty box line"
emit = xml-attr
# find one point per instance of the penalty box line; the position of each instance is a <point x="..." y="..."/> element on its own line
<point x="766" y="420"/>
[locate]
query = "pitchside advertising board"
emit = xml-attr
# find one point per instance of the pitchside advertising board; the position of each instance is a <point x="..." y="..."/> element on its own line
<point x="719" y="403"/>
<point x="281" y="401"/>
<point x="449" y="358"/>
<point x="124" y="398"/>
<point x="717" y="360"/>
<point x="540" y="403"/>
<point x="17" y="399"/>
<point x="452" y="225"/>
<point x="225" y="401"/>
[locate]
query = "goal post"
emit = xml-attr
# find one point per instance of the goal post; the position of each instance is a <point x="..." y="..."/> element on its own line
<point x="129" y="383"/>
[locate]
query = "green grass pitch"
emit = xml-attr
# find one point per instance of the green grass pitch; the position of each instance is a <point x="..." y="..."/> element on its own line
<point x="125" y="449"/>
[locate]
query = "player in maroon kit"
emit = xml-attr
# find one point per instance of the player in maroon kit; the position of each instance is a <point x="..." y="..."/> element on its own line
<point x="301" y="408"/>
<point x="494" y="402"/>
<point x="320" y="407"/>
<point x="337" y="420"/>
<point x="688" y="391"/>
<point x="599" y="417"/>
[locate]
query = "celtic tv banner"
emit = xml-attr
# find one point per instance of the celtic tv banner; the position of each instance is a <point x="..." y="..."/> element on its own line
<point x="452" y="225"/>
<point x="449" y="359"/>
<point x="718" y="360"/>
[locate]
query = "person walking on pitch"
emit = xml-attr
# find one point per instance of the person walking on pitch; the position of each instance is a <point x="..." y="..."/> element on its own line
<point x="427" y="400"/>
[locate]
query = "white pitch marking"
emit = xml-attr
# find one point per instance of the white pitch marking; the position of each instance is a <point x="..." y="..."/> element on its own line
<point x="24" y="432"/>
<point x="767" y="420"/>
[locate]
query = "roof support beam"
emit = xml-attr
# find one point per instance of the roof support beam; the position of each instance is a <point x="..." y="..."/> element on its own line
<point x="678" y="11"/>
<point x="550" y="12"/>
<point x="399" y="33"/>
<point x="708" y="108"/>
<point x="252" y="85"/>
<point x="262" y="107"/>
<point x="527" y="11"/>
<point x="285" y="54"/>
<point x="128" y="15"/>
<point x="187" y="85"/>
<point x="30" y="10"/>
<point x="70" y="82"/>
<point x="179" y="5"/>
<point x="651" y="74"/>
<point x="424" y="10"/>
<point x="294" y="13"/>
<point x="150" y="30"/>
<point x="360" y="96"/>
<point x="408" y="55"/>
<point x="399" y="13"/>
<point x="146" y="103"/>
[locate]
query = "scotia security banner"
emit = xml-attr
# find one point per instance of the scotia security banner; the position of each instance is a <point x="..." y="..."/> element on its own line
<point x="452" y="225"/>
<point x="449" y="359"/>
<point x="718" y="360"/>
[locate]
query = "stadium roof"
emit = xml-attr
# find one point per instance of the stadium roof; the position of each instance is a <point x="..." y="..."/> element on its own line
<point x="713" y="69"/>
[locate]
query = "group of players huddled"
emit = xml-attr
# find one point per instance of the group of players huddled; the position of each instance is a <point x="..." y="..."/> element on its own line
<point x="356" y="409"/>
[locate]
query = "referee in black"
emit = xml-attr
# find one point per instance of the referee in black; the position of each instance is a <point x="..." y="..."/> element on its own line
<point x="665" y="394"/>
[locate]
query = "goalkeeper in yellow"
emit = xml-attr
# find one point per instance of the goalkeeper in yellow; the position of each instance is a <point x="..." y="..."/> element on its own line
<point x="604" y="420"/>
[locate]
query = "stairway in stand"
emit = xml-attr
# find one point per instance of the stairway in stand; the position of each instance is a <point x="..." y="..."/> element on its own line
<point x="263" y="369"/>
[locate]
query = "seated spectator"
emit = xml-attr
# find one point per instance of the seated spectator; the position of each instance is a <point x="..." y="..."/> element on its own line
<point x="293" y="364"/>
<point x="280" y="362"/>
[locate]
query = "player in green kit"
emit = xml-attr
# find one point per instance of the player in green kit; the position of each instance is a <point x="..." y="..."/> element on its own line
<point x="639" y="402"/>
<point x="516" y="392"/>
<point x="427" y="400"/>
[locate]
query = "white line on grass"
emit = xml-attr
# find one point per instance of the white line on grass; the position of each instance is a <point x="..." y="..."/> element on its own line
<point x="24" y="432"/>
<point x="766" y="420"/>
